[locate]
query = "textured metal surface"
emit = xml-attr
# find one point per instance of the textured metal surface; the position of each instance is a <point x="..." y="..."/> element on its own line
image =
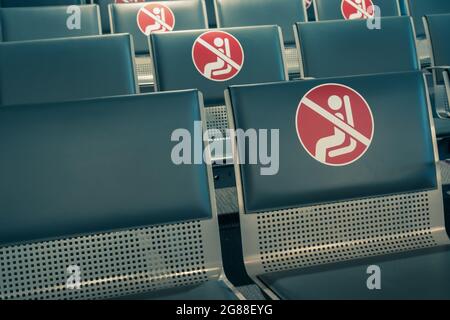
<point x="144" y="69"/>
<point x="444" y="168"/>
<point x="309" y="236"/>
<point x="217" y="121"/>
<point x="112" y="264"/>
<point x="291" y="57"/>
<point x="218" y="135"/>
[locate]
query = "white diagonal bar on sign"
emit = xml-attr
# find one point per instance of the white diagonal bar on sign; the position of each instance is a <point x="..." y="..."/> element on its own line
<point x="359" y="8"/>
<point x="220" y="54"/>
<point x="151" y="15"/>
<point x="336" y="121"/>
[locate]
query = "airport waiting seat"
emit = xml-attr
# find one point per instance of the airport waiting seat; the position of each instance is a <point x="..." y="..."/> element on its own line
<point x="312" y="230"/>
<point x="339" y="48"/>
<point x="87" y="194"/>
<point x="66" y="69"/>
<point x="188" y="14"/>
<point x="261" y="60"/>
<point x="33" y="23"/>
<point x="437" y="29"/>
<point x="333" y="9"/>
<point x="39" y="3"/>
<point x="417" y="9"/>
<point x="284" y="13"/>
<point x="353" y="49"/>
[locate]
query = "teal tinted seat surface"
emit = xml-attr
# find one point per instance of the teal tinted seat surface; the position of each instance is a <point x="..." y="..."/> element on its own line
<point x="438" y="28"/>
<point x="420" y="8"/>
<point x="66" y="69"/>
<point x="188" y="15"/>
<point x="96" y="165"/>
<point x="414" y="276"/>
<point x="331" y="9"/>
<point x="175" y="69"/>
<point x="284" y="13"/>
<point x="340" y="48"/>
<point x="304" y="181"/>
<point x="47" y="22"/>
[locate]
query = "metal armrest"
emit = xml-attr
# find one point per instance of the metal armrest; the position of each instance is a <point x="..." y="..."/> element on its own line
<point x="440" y="112"/>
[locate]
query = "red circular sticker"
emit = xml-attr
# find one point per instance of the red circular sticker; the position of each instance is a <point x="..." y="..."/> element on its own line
<point x="357" y="9"/>
<point x="217" y="55"/>
<point x="334" y="124"/>
<point x="129" y="1"/>
<point x="155" y="17"/>
<point x="308" y="3"/>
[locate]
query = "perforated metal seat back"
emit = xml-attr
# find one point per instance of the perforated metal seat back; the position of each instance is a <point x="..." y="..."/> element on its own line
<point x="189" y="14"/>
<point x="90" y="186"/>
<point x="333" y="9"/>
<point x="420" y="8"/>
<point x="340" y="48"/>
<point x="175" y="69"/>
<point x="36" y="23"/>
<point x="316" y="211"/>
<point x="38" y="3"/>
<point x="437" y="27"/>
<point x="284" y="13"/>
<point x="66" y="69"/>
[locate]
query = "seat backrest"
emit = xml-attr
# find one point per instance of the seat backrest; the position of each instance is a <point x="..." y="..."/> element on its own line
<point x="339" y="48"/>
<point x="90" y="185"/>
<point x="284" y="13"/>
<point x="33" y="23"/>
<point x="66" y="69"/>
<point x="420" y="8"/>
<point x="337" y="9"/>
<point x="376" y="194"/>
<point x="437" y="28"/>
<point x="256" y="51"/>
<point x="38" y="3"/>
<point x="188" y="14"/>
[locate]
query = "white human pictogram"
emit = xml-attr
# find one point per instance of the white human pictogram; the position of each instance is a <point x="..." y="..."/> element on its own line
<point x="159" y="15"/>
<point x="219" y="67"/>
<point x="323" y="146"/>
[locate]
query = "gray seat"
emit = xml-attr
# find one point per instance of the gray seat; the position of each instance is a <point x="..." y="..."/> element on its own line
<point x="66" y="69"/>
<point x="331" y="9"/>
<point x="86" y="190"/>
<point x="34" y="23"/>
<point x="417" y="9"/>
<point x="284" y="13"/>
<point x="308" y="231"/>
<point x="39" y="3"/>
<point x="340" y="48"/>
<point x="263" y="62"/>
<point x="188" y="15"/>
<point x="437" y="27"/>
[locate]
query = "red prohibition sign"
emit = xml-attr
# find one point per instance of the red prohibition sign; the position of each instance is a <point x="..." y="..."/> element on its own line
<point x="334" y="124"/>
<point x="357" y="9"/>
<point x="155" y="17"/>
<point x="217" y="55"/>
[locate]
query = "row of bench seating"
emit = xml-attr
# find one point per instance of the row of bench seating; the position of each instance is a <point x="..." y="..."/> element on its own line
<point x="90" y="183"/>
<point x="391" y="49"/>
